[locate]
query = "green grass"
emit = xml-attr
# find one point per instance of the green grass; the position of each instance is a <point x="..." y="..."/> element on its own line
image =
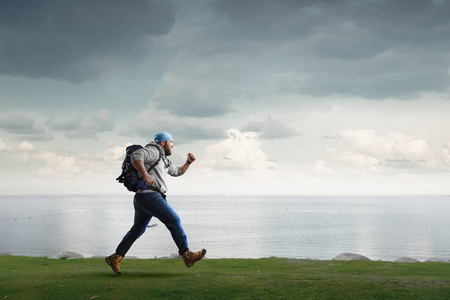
<point x="271" y="278"/>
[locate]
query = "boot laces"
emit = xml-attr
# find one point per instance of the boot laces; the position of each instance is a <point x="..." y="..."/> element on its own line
<point x="187" y="255"/>
<point x="117" y="257"/>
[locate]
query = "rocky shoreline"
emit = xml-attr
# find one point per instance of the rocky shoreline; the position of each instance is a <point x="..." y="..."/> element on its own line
<point x="343" y="256"/>
<point x="352" y="256"/>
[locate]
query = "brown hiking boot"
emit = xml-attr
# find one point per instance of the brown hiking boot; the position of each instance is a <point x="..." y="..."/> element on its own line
<point x="114" y="262"/>
<point x="191" y="257"/>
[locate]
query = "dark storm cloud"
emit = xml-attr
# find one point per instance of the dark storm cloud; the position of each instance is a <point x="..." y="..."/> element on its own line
<point x="197" y="87"/>
<point x="373" y="49"/>
<point x="242" y="52"/>
<point x="395" y="21"/>
<point x="77" y="40"/>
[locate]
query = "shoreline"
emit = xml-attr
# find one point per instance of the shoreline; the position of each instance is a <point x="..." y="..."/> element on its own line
<point x="346" y="256"/>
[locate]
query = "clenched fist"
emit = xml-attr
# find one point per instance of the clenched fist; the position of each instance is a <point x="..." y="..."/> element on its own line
<point x="190" y="158"/>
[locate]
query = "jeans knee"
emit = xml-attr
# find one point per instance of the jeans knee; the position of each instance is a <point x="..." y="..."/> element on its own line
<point x="176" y="219"/>
<point x="173" y="220"/>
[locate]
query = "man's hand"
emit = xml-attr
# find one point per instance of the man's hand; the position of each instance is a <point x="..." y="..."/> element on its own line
<point x="140" y="167"/>
<point x="190" y="158"/>
<point x="149" y="179"/>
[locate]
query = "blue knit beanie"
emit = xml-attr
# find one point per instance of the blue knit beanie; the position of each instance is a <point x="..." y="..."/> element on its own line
<point x="162" y="137"/>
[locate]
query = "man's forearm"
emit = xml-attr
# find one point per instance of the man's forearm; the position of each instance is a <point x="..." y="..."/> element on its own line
<point x="189" y="160"/>
<point x="140" y="167"/>
<point x="184" y="167"/>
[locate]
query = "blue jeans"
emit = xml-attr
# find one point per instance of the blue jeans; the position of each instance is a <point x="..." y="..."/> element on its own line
<point x="146" y="206"/>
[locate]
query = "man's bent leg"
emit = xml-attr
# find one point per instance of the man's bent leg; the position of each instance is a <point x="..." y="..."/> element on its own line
<point x="141" y="220"/>
<point x="156" y="206"/>
<point x="165" y="213"/>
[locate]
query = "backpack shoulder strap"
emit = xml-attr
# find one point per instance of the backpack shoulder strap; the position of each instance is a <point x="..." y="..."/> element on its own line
<point x="160" y="156"/>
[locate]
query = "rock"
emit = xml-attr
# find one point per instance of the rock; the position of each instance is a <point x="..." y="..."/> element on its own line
<point x="5" y="254"/>
<point x="407" y="260"/>
<point x="437" y="260"/>
<point x="68" y="255"/>
<point x="350" y="256"/>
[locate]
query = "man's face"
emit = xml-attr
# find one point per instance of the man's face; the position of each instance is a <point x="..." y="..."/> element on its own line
<point x="168" y="145"/>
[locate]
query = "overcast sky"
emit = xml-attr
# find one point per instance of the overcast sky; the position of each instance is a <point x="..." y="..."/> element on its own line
<point x="274" y="97"/>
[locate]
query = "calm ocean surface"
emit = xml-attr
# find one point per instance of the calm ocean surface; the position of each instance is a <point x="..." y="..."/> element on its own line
<point x="381" y="228"/>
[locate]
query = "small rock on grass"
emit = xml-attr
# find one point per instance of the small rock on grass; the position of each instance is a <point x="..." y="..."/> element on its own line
<point x="407" y="260"/>
<point x="350" y="256"/>
<point x="68" y="255"/>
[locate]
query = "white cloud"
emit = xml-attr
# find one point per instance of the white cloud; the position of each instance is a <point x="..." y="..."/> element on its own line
<point x="240" y="151"/>
<point x="321" y="167"/>
<point x="112" y="153"/>
<point x="354" y="162"/>
<point x="446" y="154"/>
<point x="27" y="146"/>
<point x="391" y="146"/>
<point x="367" y="150"/>
<point x="56" y="164"/>
<point x="4" y="146"/>
<point x="23" y="157"/>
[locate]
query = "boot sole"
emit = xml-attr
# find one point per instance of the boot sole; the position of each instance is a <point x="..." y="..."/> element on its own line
<point x="114" y="270"/>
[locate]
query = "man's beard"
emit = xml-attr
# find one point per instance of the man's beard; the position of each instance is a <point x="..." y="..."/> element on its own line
<point x="167" y="150"/>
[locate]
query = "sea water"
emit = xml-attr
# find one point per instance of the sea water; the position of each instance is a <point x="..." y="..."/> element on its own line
<point x="381" y="228"/>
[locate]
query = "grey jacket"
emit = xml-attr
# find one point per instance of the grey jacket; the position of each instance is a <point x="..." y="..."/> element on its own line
<point x="149" y="155"/>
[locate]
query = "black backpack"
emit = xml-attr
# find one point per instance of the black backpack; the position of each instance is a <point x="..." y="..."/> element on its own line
<point x="130" y="176"/>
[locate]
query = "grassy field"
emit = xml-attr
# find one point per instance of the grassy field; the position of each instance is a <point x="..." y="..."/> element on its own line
<point x="271" y="278"/>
